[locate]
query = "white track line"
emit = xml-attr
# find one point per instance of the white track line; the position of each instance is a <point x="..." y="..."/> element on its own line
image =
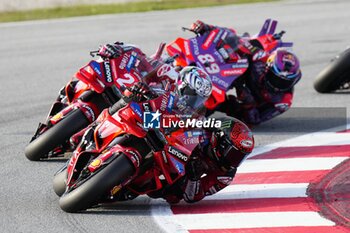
<point x="289" y="164"/>
<point x="251" y="220"/>
<point x="237" y="191"/>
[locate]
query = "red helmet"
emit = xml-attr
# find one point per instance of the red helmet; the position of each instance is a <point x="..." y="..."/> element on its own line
<point x="231" y="145"/>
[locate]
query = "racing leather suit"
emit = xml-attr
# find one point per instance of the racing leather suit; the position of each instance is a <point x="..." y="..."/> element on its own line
<point x="255" y="102"/>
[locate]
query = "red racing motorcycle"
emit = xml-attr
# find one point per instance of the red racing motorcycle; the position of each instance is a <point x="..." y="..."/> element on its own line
<point x="96" y="86"/>
<point x="206" y="52"/>
<point x="128" y="153"/>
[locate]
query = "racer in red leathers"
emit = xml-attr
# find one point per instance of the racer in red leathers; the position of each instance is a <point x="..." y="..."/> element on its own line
<point x="214" y="162"/>
<point x="266" y="89"/>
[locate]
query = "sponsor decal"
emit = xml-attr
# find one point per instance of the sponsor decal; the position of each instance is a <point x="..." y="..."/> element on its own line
<point x="164" y="156"/>
<point x="240" y="64"/>
<point x="178" y="165"/>
<point x="96" y="163"/>
<point x="232" y="72"/>
<point x="223" y="53"/>
<point x="177" y="153"/>
<point x="219" y="81"/>
<point x="108" y="72"/>
<point x="218" y="56"/>
<point x="187" y="48"/>
<point x="209" y="39"/>
<point x="96" y="67"/>
<point x="190" y="134"/>
<point x="195" y="46"/>
<point x="192" y="137"/>
<point x="146" y="107"/>
<point x="124" y="61"/>
<point x="191" y="140"/>
<point x="247" y="143"/>
<point x="115" y="190"/>
<point x="57" y="116"/>
<point x="132" y="61"/>
<point x="219" y="36"/>
<point x="170" y="102"/>
<point x="164" y="102"/>
<point x="244" y="60"/>
<point x="134" y="106"/>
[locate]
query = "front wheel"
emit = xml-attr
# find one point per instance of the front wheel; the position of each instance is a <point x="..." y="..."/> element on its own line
<point x="335" y="74"/>
<point x="97" y="185"/>
<point x="59" y="182"/>
<point x="57" y="135"/>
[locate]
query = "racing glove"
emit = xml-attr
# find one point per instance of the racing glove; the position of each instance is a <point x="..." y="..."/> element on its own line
<point x="199" y="27"/>
<point x="245" y="97"/>
<point x="110" y="50"/>
<point x="141" y="91"/>
<point x="252" y="116"/>
<point x="194" y="169"/>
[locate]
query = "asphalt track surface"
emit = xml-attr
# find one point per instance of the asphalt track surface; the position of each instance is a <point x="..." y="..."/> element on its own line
<point x="37" y="58"/>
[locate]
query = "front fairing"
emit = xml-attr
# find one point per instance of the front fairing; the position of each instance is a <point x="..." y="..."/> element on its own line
<point x="100" y="135"/>
<point x="127" y="120"/>
<point x="91" y="75"/>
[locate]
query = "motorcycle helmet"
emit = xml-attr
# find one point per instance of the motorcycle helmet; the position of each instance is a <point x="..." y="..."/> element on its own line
<point x="283" y="70"/>
<point x="231" y="145"/>
<point x="194" y="86"/>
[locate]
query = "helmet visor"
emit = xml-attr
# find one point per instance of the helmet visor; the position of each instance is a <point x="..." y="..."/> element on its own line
<point x="194" y="102"/>
<point x="229" y="155"/>
<point x="280" y="83"/>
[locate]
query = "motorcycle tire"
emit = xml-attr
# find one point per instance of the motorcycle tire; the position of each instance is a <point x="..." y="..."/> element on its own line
<point x="89" y="193"/>
<point x="59" y="182"/>
<point x="56" y="135"/>
<point x="331" y="77"/>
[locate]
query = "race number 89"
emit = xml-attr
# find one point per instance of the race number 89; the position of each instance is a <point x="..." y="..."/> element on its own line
<point x="209" y="63"/>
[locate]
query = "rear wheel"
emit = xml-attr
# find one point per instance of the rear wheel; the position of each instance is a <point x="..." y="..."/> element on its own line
<point x="97" y="185"/>
<point x="56" y="135"/>
<point x="334" y="75"/>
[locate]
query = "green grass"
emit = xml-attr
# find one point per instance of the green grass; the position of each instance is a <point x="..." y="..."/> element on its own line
<point x="83" y="10"/>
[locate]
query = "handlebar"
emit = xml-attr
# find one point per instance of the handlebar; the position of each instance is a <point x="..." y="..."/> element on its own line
<point x="188" y="29"/>
<point x="94" y="53"/>
<point x="279" y="35"/>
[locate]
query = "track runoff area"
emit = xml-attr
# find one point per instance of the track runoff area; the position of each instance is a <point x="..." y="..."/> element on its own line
<point x="297" y="185"/>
